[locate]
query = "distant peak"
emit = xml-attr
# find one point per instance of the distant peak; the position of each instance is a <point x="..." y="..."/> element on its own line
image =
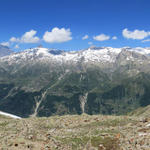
<point x="95" y="48"/>
<point x="42" y="50"/>
<point x="4" y="50"/>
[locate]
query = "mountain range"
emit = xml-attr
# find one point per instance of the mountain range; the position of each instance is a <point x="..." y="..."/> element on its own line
<point x="97" y="80"/>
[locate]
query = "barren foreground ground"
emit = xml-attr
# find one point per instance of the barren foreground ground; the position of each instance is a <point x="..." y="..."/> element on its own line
<point x="76" y="132"/>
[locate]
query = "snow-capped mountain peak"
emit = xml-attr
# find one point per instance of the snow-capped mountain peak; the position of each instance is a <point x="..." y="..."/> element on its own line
<point x="92" y="54"/>
<point x="42" y="50"/>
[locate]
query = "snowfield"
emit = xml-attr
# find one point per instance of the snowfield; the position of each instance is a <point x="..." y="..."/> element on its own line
<point x="95" y="54"/>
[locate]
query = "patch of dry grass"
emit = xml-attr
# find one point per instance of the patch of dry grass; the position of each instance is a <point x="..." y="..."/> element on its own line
<point x="74" y="132"/>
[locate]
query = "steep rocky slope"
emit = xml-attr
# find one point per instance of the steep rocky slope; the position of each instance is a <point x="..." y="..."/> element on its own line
<point x="46" y="82"/>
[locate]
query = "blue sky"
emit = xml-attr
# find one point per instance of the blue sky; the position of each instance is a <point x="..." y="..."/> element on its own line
<point x="62" y="24"/>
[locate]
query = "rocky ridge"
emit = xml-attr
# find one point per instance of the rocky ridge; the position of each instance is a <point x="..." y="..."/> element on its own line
<point x="103" y="80"/>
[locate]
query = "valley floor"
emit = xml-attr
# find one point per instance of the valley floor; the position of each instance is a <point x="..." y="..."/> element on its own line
<point x="74" y="132"/>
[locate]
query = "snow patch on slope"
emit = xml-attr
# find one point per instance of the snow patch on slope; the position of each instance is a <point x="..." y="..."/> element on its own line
<point x="9" y="115"/>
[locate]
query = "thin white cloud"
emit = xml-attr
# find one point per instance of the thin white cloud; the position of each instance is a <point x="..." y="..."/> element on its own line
<point x="101" y="37"/>
<point x="57" y="35"/>
<point x="85" y="37"/>
<point x="114" y="38"/>
<point x="13" y="39"/>
<point x="5" y="44"/>
<point x="136" y="34"/>
<point x="17" y="46"/>
<point x="147" y="40"/>
<point x="90" y="43"/>
<point x="28" y="37"/>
